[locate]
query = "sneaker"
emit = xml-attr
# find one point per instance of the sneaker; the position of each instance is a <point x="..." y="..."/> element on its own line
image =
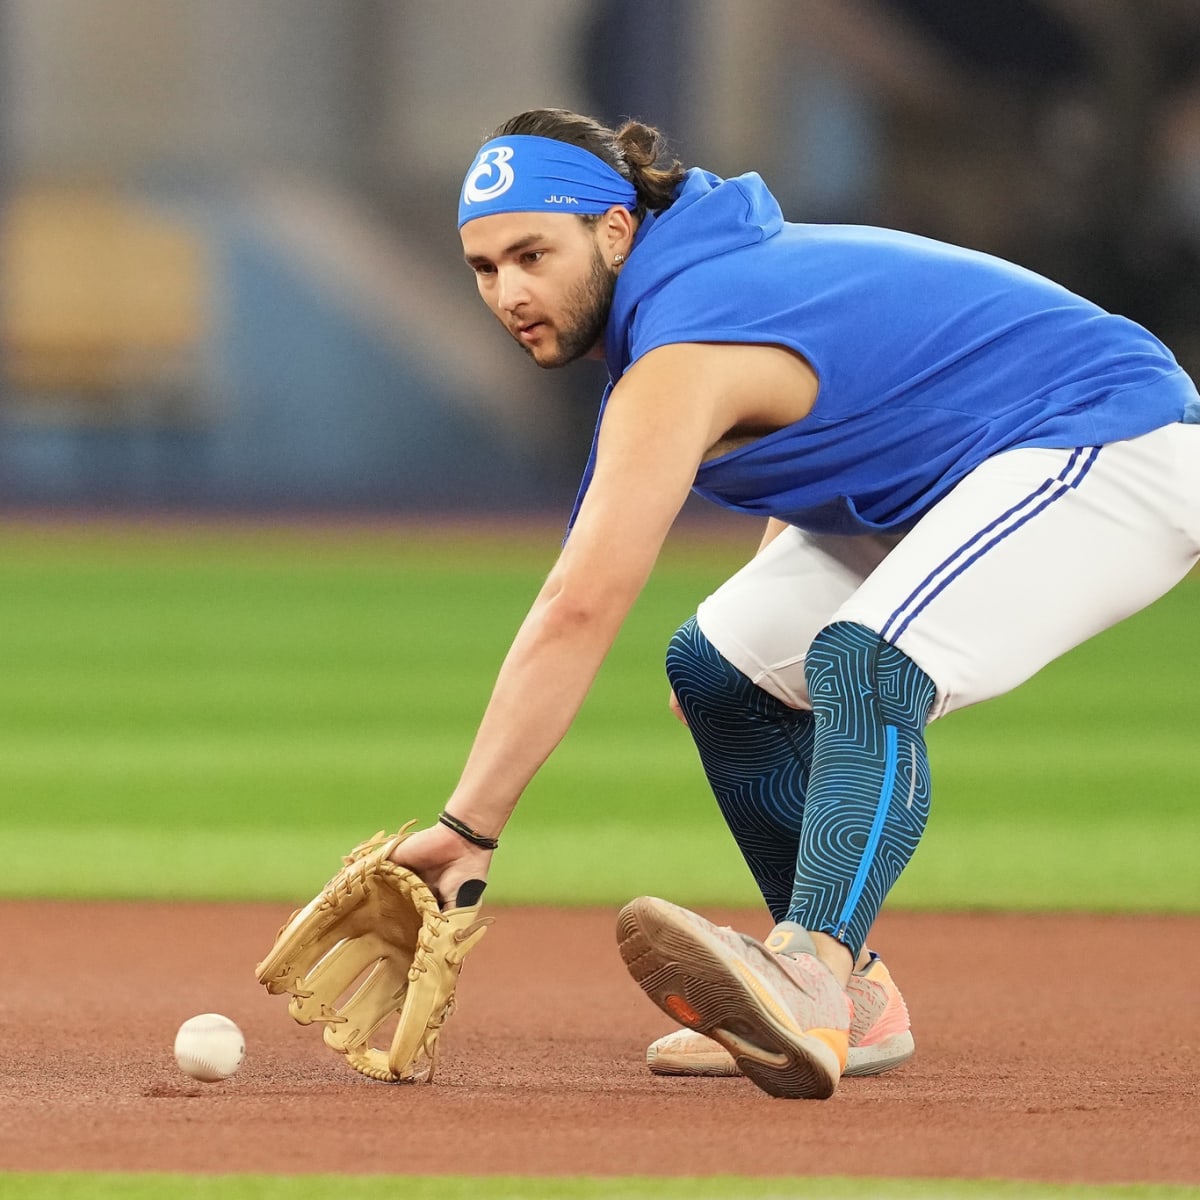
<point x="684" y="1052"/>
<point x="880" y="1034"/>
<point x="782" y="1017"/>
<point x="880" y="1037"/>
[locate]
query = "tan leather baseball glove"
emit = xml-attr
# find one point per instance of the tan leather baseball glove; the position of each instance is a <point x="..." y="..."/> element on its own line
<point x="373" y="945"/>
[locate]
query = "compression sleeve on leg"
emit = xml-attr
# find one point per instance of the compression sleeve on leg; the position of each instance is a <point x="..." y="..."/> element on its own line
<point x="868" y="789"/>
<point x="755" y="751"/>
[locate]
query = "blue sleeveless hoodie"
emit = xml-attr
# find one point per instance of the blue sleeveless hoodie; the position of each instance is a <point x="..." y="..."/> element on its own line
<point x="930" y="358"/>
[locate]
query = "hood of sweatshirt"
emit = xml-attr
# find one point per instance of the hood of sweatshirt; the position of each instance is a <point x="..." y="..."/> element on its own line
<point x="708" y="217"/>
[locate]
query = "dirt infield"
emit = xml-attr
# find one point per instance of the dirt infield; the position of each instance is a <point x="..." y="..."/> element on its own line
<point x="1064" y="1048"/>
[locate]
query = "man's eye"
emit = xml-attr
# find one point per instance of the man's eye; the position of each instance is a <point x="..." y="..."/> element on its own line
<point x="532" y="256"/>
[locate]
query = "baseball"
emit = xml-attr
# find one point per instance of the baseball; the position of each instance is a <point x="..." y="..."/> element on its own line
<point x="209" y="1047"/>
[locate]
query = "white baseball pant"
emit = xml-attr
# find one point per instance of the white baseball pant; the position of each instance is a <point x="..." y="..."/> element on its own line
<point x="1032" y="553"/>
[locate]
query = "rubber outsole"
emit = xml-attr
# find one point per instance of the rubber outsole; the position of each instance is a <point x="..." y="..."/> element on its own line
<point x="713" y="1065"/>
<point x="866" y="1060"/>
<point x="695" y="983"/>
<point x="874" y="1060"/>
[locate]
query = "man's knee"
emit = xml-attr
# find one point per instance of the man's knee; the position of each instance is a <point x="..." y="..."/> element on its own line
<point x="850" y="667"/>
<point x="693" y="664"/>
<point x="705" y="682"/>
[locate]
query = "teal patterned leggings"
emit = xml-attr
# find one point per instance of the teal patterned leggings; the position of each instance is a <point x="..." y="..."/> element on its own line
<point x="826" y="806"/>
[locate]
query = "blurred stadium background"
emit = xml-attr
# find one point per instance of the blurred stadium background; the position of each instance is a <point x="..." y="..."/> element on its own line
<point x="229" y="267"/>
<point x="230" y="283"/>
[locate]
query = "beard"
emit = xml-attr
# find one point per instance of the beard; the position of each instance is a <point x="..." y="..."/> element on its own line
<point x="585" y="315"/>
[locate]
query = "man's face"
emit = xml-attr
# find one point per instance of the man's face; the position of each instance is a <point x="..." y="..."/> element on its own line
<point x="544" y="277"/>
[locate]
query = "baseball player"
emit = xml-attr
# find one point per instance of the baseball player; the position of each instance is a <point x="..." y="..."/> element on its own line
<point x="963" y="468"/>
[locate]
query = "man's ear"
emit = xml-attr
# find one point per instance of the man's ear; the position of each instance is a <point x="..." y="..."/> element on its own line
<point x="617" y="228"/>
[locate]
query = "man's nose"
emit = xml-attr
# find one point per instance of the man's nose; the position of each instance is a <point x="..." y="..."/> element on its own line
<point x="512" y="292"/>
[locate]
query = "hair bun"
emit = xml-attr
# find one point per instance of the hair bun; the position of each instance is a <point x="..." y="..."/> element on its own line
<point x="641" y="144"/>
<point x="635" y="150"/>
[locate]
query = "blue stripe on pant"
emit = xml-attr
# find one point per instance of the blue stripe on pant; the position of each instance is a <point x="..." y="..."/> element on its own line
<point x="991" y="535"/>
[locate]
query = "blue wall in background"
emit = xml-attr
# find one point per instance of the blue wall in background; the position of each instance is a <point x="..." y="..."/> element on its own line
<point x="301" y="405"/>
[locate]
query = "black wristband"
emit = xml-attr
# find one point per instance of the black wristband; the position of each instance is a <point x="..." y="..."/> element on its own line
<point x="465" y="831"/>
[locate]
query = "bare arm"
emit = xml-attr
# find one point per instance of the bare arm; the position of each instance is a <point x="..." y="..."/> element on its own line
<point x="660" y="420"/>
<point x="662" y="417"/>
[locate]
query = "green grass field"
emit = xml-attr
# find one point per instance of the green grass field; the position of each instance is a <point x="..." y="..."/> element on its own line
<point x="220" y="712"/>
<point x="428" y="1187"/>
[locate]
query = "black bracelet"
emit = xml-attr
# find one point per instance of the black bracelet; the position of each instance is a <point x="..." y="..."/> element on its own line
<point x="465" y="831"/>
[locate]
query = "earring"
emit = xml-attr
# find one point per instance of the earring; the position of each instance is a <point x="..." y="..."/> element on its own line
<point x="618" y="259"/>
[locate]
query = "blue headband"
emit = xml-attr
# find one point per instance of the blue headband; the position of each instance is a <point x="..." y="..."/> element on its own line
<point x="537" y="174"/>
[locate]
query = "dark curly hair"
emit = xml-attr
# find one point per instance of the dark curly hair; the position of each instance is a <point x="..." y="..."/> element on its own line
<point x="636" y="151"/>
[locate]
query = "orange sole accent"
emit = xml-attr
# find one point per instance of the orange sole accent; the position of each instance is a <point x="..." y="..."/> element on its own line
<point x="836" y="1039"/>
<point x="681" y="1010"/>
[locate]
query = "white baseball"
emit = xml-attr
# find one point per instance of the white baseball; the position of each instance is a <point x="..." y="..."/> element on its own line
<point x="209" y="1047"/>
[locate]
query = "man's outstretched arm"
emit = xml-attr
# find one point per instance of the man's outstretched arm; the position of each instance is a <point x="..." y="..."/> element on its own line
<point x="660" y="420"/>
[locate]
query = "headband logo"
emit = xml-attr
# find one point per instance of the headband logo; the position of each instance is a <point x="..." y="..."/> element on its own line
<point x="493" y="159"/>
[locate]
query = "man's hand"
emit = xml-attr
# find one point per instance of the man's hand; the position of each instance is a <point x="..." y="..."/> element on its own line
<point x="444" y="860"/>
<point x="674" y="705"/>
<point x="377" y="943"/>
